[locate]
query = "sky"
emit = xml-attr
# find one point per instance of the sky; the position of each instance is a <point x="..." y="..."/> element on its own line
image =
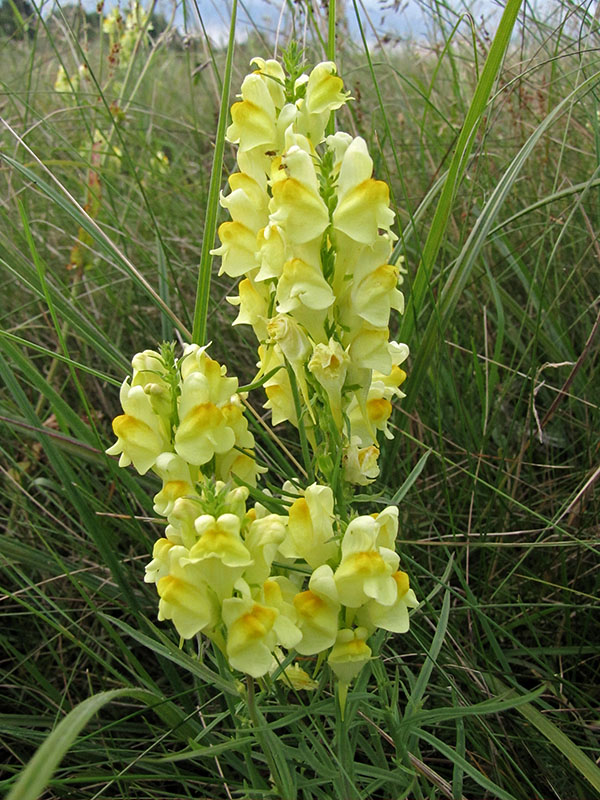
<point x="396" y="18"/>
<point x="400" y="18"/>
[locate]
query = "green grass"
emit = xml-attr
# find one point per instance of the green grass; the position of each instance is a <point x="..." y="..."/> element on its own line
<point x="493" y="693"/>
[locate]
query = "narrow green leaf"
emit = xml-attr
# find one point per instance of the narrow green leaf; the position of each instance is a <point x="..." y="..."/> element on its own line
<point x="555" y="736"/>
<point x="457" y="169"/>
<point x="467" y="258"/>
<point x="458" y="772"/>
<point x="414" y="474"/>
<point x="34" y="778"/>
<point x="547" y="200"/>
<point x="165" y="648"/>
<point x="212" y="206"/>
<point x="209" y="751"/>
<point x="38" y="348"/>
<point x="495" y="705"/>
<point x="454" y="758"/>
<point x="420" y="686"/>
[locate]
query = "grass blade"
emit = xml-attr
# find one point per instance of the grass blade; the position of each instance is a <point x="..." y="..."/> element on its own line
<point x="466" y="260"/>
<point x="212" y="206"/>
<point x="553" y="734"/>
<point x="34" y="778"/>
<point x="71" y="207"/>
<point x="414" y="474"/>
<point x="457" y="169"/>
<point x="164" y="647"/>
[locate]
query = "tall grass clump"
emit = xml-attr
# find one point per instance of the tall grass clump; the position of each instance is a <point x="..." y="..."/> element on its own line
<point x="283" y="471"/>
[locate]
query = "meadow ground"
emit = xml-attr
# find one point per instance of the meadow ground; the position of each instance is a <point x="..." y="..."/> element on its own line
<point x="494" y="461"/>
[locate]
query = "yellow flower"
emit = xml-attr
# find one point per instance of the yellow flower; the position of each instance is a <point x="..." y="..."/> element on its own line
<point x="363" y="203"/>
<point x="324" y="90"/>
<point x="181" y="528"/>
<point x="394" y="378"/>
<point x="370" y="349"/>
<point x="329" y="365"/>
<point x="203" y="425"/>
<point x="141" y="434"/>
<point x="248" y="201"/>
<point x="278" y="389"/>
<point x="367" y="416"/>
<point x="270" y="252"/>
<point x="279" y="592"/>
<point x="248" y="205"/>
<point x="376" y="294"/>
<point x="294" y="344"/>
<point x="394" y="617"/>
<point x="148" y="367"/>
<point x="302" y="285"/>
<point x="365" y="571"/>
<point x="254" y="118"/>
<point x="290" y="337"/>
<point x="235" y="462"/>
<point x="177" y="481"/>
<point x="250" y="635"/>
<point x="349" y="654"/>
<point x="310" y="528"/>
<point x="360" y="463"/>
<point x="338" y="143"/>
<point x="203" y="431"/>
<point x="324" y="94"/>
<point x="160" y="565"/>
<point x="238" y="249"/>
<point x="262" y="540"/>
<point x="196" y="359"/>
<point x="219" y="552"/>
<point x="253" y="301"/>
<point x="297" y="206"/>
<point x="318" y="610"/>
<point x="185" y="598"/>
<point x="220" y="538"/>
<point x="387" y="527"/>
<point x="274" y="78"/>
<point x="253" y="631"/>
<point x="242" y="465"/>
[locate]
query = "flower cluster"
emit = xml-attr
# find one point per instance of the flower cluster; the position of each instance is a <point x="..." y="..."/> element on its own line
<point x="240" y="577"/>
<point x="310" y="237"/>
<point x="125" y="29"/>
<point x="251" y="580"/>
<point x="182" y="417"/>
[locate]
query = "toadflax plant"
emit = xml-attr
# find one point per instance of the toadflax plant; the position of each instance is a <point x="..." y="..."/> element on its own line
<point x="310" y="237"/>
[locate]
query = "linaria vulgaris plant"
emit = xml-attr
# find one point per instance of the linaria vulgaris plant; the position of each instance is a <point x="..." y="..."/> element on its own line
<point x="310" y="237"/>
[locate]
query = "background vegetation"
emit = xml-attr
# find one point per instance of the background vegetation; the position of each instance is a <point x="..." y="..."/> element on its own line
<point x="494" y="693"/>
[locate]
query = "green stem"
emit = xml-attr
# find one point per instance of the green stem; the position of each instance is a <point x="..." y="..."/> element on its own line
<point x="331" y="32"/>
<point x="347" y="788"/>
<point x="258" y="723"/>
<point x="308" y="466"/>
<point x="331" y="57"/>
<point x="212" y="207"/>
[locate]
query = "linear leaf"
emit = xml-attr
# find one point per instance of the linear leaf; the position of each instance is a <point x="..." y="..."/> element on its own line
<point x="34" y="778"/>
